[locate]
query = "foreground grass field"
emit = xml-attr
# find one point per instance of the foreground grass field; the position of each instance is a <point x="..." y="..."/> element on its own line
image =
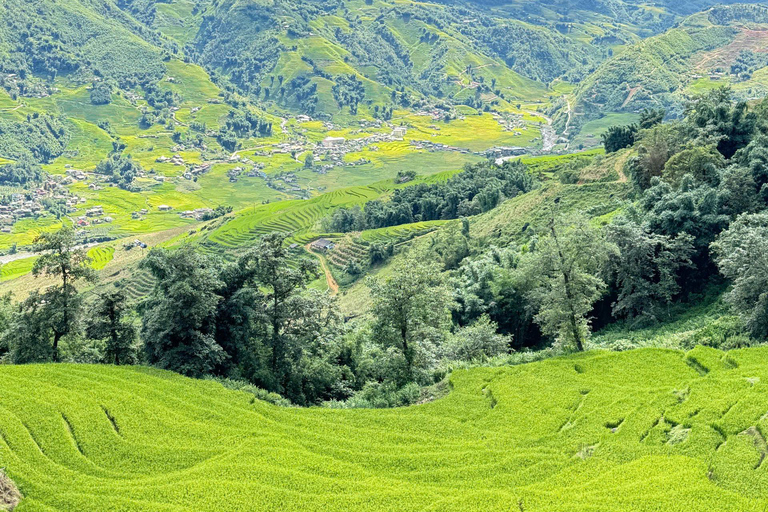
<point x="646" y="430"/>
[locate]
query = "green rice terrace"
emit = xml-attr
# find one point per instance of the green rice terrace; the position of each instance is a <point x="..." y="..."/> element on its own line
<point x="645" y="430"/>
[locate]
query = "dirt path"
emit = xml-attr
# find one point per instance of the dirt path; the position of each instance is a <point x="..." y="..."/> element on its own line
<point x="332" y="284"/>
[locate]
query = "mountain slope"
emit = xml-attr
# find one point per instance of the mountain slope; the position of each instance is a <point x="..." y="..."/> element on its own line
<point x="642" y="430"/>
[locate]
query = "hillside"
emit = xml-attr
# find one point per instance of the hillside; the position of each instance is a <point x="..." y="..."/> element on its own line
<point x="722" y="45"/>
<point x="642" y="430"/>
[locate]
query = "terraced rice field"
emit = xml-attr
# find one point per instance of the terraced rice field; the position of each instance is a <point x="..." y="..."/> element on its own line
<point x="294" y="217"/>
<point x="101" y="255"/>
<point x="647" y="430"/>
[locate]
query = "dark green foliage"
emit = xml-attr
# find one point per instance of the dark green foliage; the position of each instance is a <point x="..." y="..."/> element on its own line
<point x="106" y="320"/>
<point x="348" y="91"/>
<point x="477" y="189"/>
<point x="411" y="310"/>
<point x="179" y="317"/>
<point x="242" y="124"/>
<point x="717" y="120"/>
<point x="651" y="117"/>
<point x="645" y="268"/>
<point x="40" y="137"/>
<point x="24" y="172"/>
<point x="742" y="256"/>
<point x="45" y="318"/>
<point x="619" y="137"/>
<point x="159" y="98"/>
<point x="121" y="170"/>
<point x="217" y="212"/>
<point x="101" y="93"/>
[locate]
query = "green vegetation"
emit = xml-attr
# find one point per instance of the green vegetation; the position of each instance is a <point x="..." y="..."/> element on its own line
<point x="648" y="429"/>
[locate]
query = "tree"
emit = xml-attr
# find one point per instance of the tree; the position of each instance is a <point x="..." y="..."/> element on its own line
<point x="411" y="311"/>
<point x="279" y="323"/>
<point x="701" y="162"/>
<point x="28" y="337"/>
<point x="107" y="321"/>
<point x="619" y="137"/>
<point x="179" y="319"/>
<point x="651" y="117"/>
<point x="60" y="304"/>
<point x="309" y="160"/>
<point x="564" y="271"/>
<point x="645" y="267"/>
<point x="476" y="342"/>
<point x="654" y="147"/>
<point x="741" y="253"/>
<point x="716" y="119"/>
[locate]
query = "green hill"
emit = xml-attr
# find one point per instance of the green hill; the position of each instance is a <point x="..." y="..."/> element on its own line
<point x="644" y="430"/>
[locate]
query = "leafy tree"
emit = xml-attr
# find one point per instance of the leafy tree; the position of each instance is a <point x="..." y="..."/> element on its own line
<point x="309" y="160"/>
<point x="101" y="93"/>
<point x="60" y="305"/>
<point x="651" y="117"/>
<point x="654" y="148"/>
<point x="645" y="268"/>
<point x="348" y="90"/>
<point x="701" y="162"/>
<point x="179" y="317"/>
<point x="619" y="137"/>
<point x="121" y="170"/>
<point x="476" y="342"/>
<point x="28" y="337"/>
<point x="564" y="271"/>
<point x="24" y="171"/>
<point x="741" y="253"/>
<point x="107" y="321"/>
<point x="411" y="311"/>
<point x="691" y="208"/>
<point x="716" y="119"/>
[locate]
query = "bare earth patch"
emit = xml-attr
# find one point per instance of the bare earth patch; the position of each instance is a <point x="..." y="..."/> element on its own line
<point x="9" y="494"/>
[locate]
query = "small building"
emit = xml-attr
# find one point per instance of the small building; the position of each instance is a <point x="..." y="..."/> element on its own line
<point x="164" y="208"/>
<point x="322" y="244"/>
<point x="399" y="132"/>
<point x="330" y="142"/>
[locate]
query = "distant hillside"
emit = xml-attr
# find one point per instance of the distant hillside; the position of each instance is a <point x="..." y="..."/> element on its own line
<point x="661" y="71"/>
<point x="644" y="430"/>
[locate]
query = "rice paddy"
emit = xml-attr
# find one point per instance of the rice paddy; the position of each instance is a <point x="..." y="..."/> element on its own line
<point x="646" y="430"/>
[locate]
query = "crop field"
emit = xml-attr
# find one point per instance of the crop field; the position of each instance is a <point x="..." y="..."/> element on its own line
<point x="644" y="430"/>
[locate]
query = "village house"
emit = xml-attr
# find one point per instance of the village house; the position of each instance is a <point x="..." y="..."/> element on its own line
<point x="330" y="142"/>
<point x="322" y="244"/>
<point x="164" y="208"/>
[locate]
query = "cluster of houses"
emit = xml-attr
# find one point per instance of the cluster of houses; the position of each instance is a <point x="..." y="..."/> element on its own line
<point x="21" y="205"/>
<point x="510" y="122"/>
<point x="175" y="160"/>
<point x="436" y="146"/>
<point x="93" y="216"/>
<point x="197" y="213"/>
<point x="197" y="170"/>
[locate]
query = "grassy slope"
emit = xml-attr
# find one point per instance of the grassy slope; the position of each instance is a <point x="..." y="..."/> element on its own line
<point x="644" y="430"/>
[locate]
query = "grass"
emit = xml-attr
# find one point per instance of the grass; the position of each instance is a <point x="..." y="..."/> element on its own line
<point x="643" y="430"/>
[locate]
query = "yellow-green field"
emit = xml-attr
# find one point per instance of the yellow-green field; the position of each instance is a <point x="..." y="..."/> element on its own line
<point x="647" y="430"/>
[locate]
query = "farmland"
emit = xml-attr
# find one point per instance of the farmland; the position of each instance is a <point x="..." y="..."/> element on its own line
<point x="642" y="430"/>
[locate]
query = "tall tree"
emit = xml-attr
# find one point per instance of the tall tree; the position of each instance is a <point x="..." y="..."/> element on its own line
<point x="61" y="259"/>
<point x="741" y="253"/>
<point x="179" y="319"/>
<point x="411" y="310"/>
<point x="107" y="321"/>
<point x="645" y="268"/>
<point x="281" y="305"/>
<point x="564" y="271"/>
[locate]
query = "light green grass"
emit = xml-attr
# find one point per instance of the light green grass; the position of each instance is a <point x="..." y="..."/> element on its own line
<point x="639" y="431"/>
